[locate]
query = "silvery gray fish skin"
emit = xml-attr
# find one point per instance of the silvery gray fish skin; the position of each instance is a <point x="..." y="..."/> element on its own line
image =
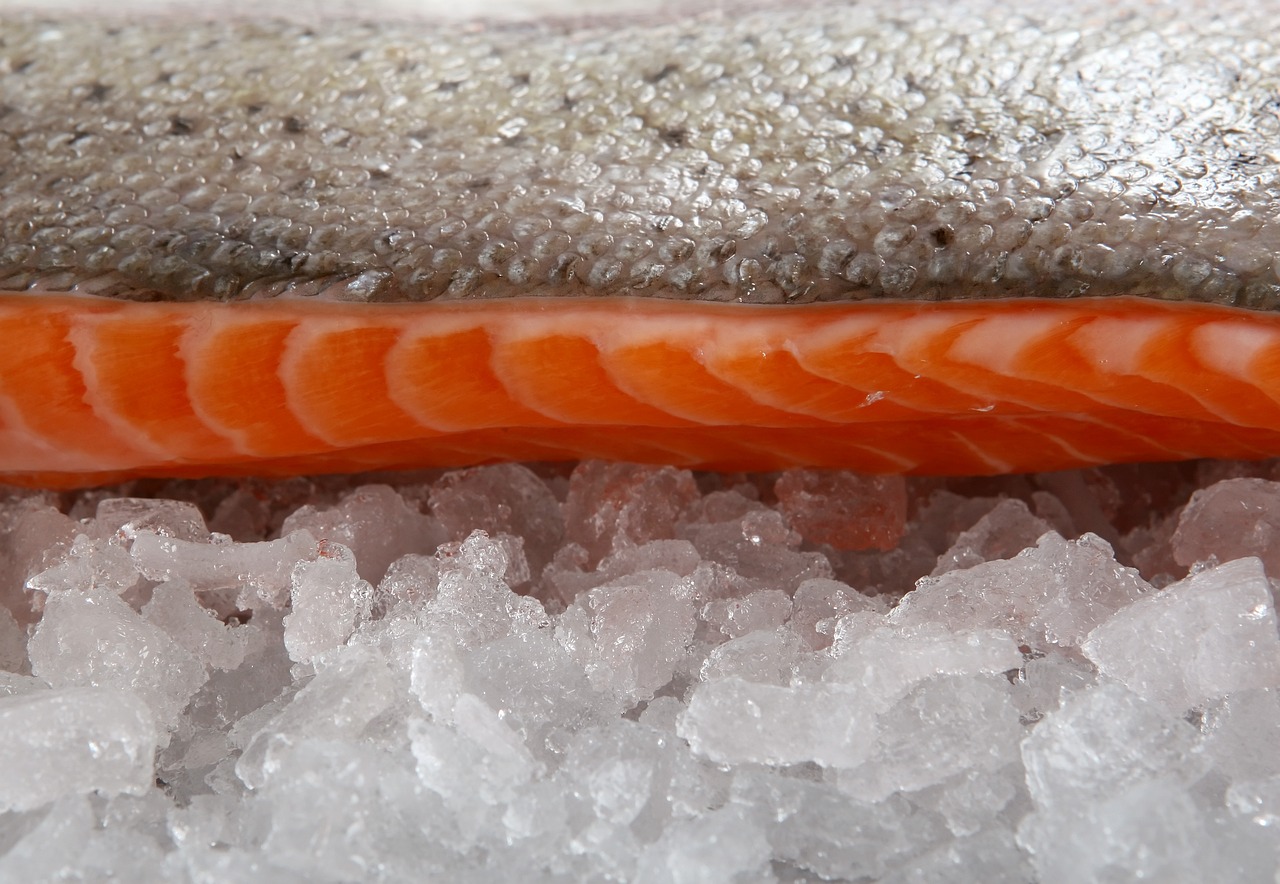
<point x="830" y="153"/>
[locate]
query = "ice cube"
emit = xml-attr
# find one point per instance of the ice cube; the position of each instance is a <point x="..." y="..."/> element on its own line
<point x="121" y="518"/>
<point x="74" y="741"/>
<point x="329" y="601"/>
<point x="641" y="627"/>
<point x="1002" y="533"/>
<point x="733" y="617"/>
<point x="613" y="506"/>
<point x="732" y="721"/>
<point x="843" y="509"/>
<point x="94" y="639"/>
<point x="1207" y="636"/>
<point x="944" y="727"/>
<point x="175" y="609"/>
<point x="336" y="705"/>
<point x="500" y="499"/>
<point x="1052" y="594"/>
<point x="264" y="568"/>
<point x="375" y="523"/>
<point x="1232" y="519"/>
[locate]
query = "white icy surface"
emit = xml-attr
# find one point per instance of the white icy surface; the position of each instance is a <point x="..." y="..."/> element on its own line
<point x="631" y="673"/>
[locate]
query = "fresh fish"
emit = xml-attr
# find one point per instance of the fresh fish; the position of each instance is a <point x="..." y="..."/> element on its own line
<point x="921" y="238"/>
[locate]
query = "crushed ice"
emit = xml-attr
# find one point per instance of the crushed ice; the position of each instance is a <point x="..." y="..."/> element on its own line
<point x="638" y="674"/>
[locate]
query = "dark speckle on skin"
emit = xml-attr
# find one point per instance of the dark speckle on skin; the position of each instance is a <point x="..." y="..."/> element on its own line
<point x="180" y="126"/>
<point x="674" y="137"/>
<point x="97" y="92"/>
<point x="661" y="75"/>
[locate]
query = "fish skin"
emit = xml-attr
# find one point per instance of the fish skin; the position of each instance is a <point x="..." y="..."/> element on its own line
<point x="983" y="161"/>
<point x="835" y="152"/>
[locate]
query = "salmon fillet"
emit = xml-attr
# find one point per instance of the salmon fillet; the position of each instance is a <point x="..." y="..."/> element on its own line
<point x="899" y="237"/>
<point x="94" y="390"/>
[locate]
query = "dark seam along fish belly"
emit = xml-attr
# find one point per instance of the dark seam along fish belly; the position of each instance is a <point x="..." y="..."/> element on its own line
<point x="929" y="238"/>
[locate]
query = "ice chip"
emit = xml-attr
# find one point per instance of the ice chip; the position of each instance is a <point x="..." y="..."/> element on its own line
<point x="265" y="568"/>
<point x="1042" y="682"/>
<point x="410" y="580"/>
<point x="13" y="644"/>
<point x="1101" y="741"/>
<point x="121" y="518"/>
<point x="843" y="509"/>
<point x="1207" y="636"/>
<point x="95" y="639"/>
<point x="1149" y="831"/>
<point x="991" y="857"/>
<point x="1002" y="533"/>
<point x="716" y="847"/>
<point x="1240" y="735"/>
<point x="437" y="675"/>
<point x="500" y="499"/>
<point x="972" y="801"/>
<point x="765" y="609"/>
<point x="34" y="537"/>
<point x="612" y="506"/>
<point x="336" y="705"/>
<point x="474" y="765"/>
<point x="377" y="821"/>
<point x="641" y="627"/>
<point x="175" y="609"/>
<point x="89" y="564"/>
<point x="472" y="601"/>
<point x="1256" y="800"/>
<point x="1052" y="594"/>
<point x="73" y="741"/>
<point x="375" y="523"/>
<point x="758" y="546"/>
<point x="535" y="683"/>
<point x="732" y="721"/>
<point x="329" y="601"/>
<point x="814" y="827"/>
<point x="763" y="657"/>
<point x="944" y="727"/>
<point x="566" y="579"/>
<point x="886" y="662"/>
<point x="819" y="602"/>
<point x="1232" y="519"/>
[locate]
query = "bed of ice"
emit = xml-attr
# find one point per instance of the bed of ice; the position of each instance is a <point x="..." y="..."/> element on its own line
<point x="615" y="672"/>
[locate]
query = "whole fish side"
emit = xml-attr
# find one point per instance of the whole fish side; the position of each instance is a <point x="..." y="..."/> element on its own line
<point x="931" y="237"/>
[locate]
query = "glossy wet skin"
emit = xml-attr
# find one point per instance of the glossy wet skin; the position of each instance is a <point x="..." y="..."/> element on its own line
<point x="936" y="151"/>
